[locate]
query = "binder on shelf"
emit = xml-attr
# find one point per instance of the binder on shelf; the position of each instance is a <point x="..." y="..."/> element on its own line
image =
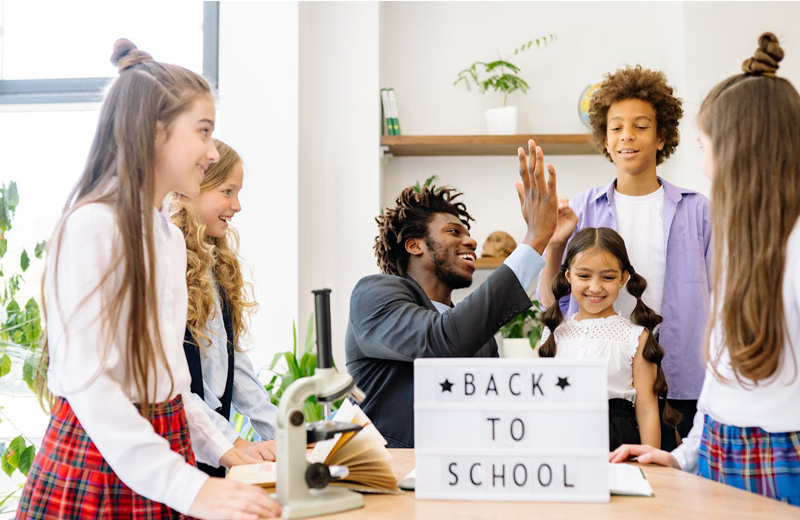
<point x="393" y="112"/>
<point x="386" y="113"/>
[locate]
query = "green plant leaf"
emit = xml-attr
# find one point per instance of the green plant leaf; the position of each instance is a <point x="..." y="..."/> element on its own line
<point x="8" y="469"/>
<point x="24" y="261"/>
<point x="14" y="450"/>
<point x="26" y="460"/>
<point x="309" y="345"/>
<point x="5" y="364"/>
<point x="12" y="196"/>
<point x="29" y="369"/>
<point x="38" y="250"/>
<point x="3" y="246"/>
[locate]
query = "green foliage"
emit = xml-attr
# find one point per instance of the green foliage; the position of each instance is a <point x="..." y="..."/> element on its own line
<point x="297" y="367"/>
<point x="20" y="332"/>
<point x="500" y="75"/>
<point x="428" y="182"/>
<point x="525" y="324"/>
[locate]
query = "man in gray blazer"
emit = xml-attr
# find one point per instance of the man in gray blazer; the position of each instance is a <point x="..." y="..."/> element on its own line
<point x="425" y="252"/>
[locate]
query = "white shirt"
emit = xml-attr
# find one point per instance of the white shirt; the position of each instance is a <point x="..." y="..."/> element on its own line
<point x="249" y="397"/>
<point x="87" y="360"/>
<point x="640" y="222"/>
<point x="772" y="405"/>
<point x="614" y="339"/>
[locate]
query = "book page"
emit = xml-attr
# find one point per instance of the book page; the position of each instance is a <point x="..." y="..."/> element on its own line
<point x="263" y="474"/>
<point x="625" y="479"/>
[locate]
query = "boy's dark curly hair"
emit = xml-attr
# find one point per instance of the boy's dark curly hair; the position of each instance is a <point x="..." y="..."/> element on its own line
<point x="409" y="219"/>
<point x="638" y="83"/>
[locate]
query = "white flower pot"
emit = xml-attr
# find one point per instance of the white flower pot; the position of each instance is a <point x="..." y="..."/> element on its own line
<point x="517" y="348"/>
<point x="501" y="121"/>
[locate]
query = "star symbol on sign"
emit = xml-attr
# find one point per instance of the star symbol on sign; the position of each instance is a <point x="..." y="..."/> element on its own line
<point x="447" y="386"/>
<point x="563" y="383"/>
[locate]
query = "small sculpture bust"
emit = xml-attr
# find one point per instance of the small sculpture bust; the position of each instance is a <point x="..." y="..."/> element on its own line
<point x="499" y="244"/>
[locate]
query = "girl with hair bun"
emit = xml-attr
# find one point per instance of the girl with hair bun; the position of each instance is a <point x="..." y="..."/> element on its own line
<point x="223" y="378"/>
<point x="113" y="369"/>
<point x="747" y="429"/>
<point x="595" y="269"/>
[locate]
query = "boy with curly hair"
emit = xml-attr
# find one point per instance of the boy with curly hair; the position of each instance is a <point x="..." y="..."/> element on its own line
<point x="635" y="118"/>
<point x="425" y="251"/>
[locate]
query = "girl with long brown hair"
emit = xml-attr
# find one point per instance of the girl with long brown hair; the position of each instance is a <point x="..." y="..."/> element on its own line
<point x="223" y="378"/>
<point x="747" y="430"/>
<point x="118" y="443"/>
<point x="595" y="270"/>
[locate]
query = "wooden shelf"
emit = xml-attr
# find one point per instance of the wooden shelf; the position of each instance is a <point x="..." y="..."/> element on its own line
<point x="488" y="262"/>
<point x="432" y="145"/>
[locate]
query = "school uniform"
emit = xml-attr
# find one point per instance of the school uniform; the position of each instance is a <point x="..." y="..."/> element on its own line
<point x="100" y="457"/>
<point x="745" y="434"/>
<point x="614" y="339"/>
<point x="223" y="379"/>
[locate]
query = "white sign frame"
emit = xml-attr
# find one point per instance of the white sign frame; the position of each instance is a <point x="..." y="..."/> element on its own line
<point x="511" y="429"/>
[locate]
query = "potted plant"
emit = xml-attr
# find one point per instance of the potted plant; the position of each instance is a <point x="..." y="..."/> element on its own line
<point x="502" y="76"/>
<point x="521" y="335"/>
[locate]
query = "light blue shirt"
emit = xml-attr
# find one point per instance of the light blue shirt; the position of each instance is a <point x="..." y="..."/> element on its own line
<point x="250" y="399"/>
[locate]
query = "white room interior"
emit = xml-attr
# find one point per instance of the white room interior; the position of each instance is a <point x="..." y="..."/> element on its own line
<point x="299" y="98"/>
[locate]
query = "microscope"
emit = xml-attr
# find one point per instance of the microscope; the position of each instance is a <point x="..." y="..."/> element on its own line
<point x="300" y="487"/>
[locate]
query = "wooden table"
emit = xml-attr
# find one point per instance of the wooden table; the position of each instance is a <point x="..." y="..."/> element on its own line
<point x="678" y="495"/>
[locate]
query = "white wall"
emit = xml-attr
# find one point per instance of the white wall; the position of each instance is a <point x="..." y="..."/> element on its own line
<point x="257" y="115"/>
<point x="339" y="157"/>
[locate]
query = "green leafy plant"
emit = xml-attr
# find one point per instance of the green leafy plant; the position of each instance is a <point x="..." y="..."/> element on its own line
<point x="428" y="182"/>
<point x="500" y="75"/>
<point x="297" y="367"/>
<point x="20" y="334"/>
<point x="526" y="324"/>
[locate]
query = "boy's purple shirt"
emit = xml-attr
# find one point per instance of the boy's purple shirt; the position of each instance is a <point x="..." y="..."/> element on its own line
<point x="687" y="280"/>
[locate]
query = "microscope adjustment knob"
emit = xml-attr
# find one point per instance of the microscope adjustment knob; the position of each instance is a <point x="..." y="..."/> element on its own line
<point x="317" y="475"/>
<point x="297" y="418"/>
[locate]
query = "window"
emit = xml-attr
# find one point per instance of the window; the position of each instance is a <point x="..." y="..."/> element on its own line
<point x="62" y="56"/>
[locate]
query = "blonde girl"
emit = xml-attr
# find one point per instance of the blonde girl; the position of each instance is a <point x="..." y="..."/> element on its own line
<point x="222" y="374"/>
<point x="747" y="430"/>
<point x="595" y="269"/>
<point x="118" y="443"/>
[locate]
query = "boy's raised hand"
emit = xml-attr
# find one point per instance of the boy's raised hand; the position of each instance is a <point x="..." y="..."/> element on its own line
<point x="538" y="199"/>
<point x="567" y="223"/>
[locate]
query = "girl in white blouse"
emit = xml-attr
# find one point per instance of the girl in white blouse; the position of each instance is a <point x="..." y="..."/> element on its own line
<point x="118" y="443"/>
<point x="222" y="374"/>
<point x="747" y="429"/>
<point x="595" y="269"/>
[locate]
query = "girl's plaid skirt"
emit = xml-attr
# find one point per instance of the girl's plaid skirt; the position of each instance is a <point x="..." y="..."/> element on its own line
<point x="752" y="459"/>
<point x="70" y="479"/>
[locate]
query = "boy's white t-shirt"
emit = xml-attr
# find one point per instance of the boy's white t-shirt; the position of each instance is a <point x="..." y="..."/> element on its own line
<point x="640" y="222"/>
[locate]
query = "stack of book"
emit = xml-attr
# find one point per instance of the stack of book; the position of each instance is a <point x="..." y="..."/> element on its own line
<point x="391" y="125"/>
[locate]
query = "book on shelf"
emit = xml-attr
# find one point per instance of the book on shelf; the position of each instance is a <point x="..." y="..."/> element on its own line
<point x="393" y="112"/>
<point x="363" y="453"/>
<point x="385" y="113"/>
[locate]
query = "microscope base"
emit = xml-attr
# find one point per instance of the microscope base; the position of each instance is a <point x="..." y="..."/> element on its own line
<point x="323" y="502"/>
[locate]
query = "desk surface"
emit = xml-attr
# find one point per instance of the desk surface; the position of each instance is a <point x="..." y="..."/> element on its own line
<point x="677" y="495"/>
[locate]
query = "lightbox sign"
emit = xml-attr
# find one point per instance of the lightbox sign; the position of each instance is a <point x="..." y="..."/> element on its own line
<point x="511" y="429"/>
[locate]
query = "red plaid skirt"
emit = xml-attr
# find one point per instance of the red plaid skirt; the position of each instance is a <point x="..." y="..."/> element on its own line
<point x="70" y="479"/>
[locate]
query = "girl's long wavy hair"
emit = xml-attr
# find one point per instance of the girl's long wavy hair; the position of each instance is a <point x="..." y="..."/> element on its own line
<point x="217" y="256"/>
<point x="608" y="240"/>
<point x="753" y="122"/>
<point x="120" y="172"/>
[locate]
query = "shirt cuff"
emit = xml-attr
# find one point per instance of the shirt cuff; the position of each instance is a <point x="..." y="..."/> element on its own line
<point x="526" y="264"/>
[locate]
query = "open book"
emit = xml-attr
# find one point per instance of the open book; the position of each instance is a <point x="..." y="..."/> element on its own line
<point x="362" y="452"/>
<point x="628" y="480"/>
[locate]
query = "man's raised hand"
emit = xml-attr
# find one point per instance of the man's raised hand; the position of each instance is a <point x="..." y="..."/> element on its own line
<point x="538" y="199"/>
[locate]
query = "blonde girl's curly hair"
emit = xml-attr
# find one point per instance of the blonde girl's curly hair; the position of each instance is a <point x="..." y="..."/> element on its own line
<point x="216" y="255"/>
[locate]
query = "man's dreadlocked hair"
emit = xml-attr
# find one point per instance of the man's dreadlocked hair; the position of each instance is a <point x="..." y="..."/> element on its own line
<point x="409" y="219"/>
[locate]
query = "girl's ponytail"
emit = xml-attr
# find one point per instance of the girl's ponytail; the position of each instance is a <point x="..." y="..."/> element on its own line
<point x="553" y="317"/>
<point x="653" y="352"/>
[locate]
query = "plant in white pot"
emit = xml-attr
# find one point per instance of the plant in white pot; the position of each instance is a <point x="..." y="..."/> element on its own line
<point x="521" y="335"/>
<point x="500" y="76"/>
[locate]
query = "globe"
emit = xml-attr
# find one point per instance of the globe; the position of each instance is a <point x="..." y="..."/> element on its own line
<point x="583" y="103"/>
